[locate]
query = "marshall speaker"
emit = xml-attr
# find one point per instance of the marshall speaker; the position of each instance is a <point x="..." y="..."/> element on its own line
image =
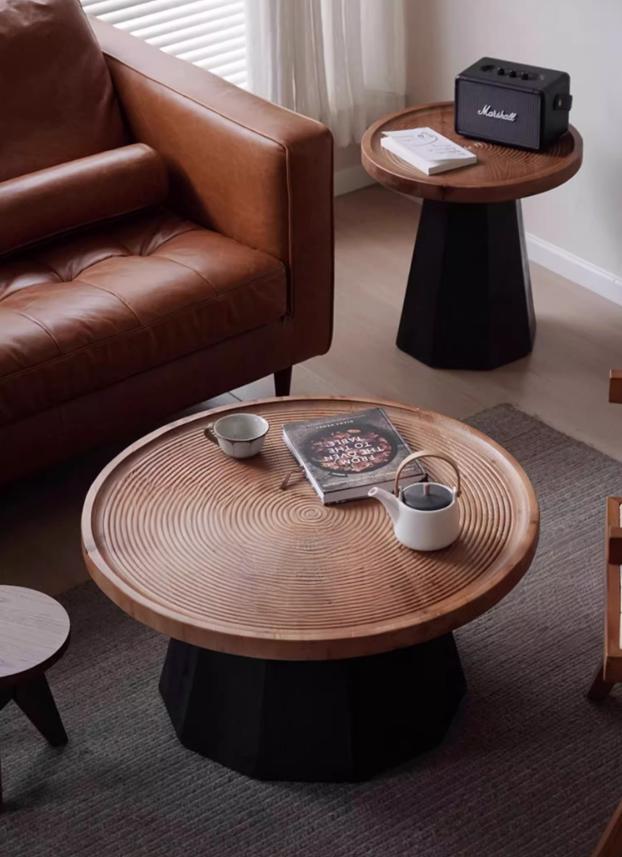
<point x="512" y="103"/>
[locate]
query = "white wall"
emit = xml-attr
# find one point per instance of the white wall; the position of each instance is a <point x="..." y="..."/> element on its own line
<point x="582" y="37"/>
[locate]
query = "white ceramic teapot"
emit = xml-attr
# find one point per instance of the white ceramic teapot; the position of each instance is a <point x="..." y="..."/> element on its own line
<point x="425" y="515"/>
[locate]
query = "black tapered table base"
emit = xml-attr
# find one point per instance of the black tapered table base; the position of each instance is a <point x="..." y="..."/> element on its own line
<point x="341" y="720"/>
<point x="468" y="302"/>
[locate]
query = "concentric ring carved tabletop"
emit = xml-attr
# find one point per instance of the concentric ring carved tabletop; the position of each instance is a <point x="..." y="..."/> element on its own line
<point x="502" y="173"/>
<point x="210" y="550"/>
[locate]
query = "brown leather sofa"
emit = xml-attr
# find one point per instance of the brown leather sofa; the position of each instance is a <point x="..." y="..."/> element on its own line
<point x="164" y="235"/>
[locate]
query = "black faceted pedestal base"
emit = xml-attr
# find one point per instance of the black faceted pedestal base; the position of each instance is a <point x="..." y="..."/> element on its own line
<point x="331" y="721"/>
<point x="468" y="302"/>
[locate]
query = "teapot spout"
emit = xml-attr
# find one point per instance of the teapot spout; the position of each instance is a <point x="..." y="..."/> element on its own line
<point x="389" y="501"/>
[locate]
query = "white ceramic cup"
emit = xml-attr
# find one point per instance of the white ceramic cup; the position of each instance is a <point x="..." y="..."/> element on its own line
<point x="239" y="435"/>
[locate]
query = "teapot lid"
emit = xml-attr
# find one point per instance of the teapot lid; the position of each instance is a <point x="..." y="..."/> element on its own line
<point x="427" y="497"/>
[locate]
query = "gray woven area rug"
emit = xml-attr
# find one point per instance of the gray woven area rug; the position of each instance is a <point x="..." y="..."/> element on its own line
<point x="529" y="768"/>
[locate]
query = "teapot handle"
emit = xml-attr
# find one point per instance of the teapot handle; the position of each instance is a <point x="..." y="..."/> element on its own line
<point x="425" y="453"/>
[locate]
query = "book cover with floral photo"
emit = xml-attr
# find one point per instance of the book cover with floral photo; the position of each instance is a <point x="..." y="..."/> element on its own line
<point x="343" y="457"/>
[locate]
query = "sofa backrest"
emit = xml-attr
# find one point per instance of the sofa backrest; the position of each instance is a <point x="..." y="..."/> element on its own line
<point x="56" y="97"/>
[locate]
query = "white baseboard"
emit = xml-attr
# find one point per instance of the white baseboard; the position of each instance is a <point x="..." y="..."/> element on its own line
<point x="574" y="268"/>
<point x="351" y="178"/>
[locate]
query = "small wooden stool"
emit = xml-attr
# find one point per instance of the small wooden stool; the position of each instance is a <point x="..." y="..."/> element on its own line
<point x="34" y="633"/>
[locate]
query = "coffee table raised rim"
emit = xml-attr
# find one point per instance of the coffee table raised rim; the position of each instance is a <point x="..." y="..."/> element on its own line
<point x="366" y="639"/>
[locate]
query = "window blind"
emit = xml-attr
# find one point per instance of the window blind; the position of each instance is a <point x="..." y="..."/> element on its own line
<point x="208" y="33"/>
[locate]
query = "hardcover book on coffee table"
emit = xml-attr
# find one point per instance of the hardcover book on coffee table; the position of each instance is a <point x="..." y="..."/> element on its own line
<point x="345" y="456"/>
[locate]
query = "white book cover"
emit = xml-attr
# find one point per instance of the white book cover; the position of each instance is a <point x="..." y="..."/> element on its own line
<point x="427" y="150"/>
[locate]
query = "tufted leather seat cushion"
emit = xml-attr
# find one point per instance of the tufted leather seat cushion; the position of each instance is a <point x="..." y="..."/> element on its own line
<point x="82" y="313"/>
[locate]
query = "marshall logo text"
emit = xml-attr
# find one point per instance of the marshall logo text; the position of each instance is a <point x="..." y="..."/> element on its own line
<point x="487" y="110"/>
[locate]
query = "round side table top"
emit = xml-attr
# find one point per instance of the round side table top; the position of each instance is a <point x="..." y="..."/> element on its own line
<point x="34" y="632"/>
<point x="502" y="173"/>
<point x="209" y="550"/>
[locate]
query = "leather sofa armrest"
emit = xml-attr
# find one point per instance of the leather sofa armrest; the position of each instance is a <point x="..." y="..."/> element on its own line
<point x="237" y="164"/>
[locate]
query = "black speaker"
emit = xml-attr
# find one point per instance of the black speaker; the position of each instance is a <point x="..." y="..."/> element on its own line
<point x="512" y="103"/>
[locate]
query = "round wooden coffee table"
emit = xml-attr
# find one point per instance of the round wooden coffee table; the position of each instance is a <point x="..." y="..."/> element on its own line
<point x="307" y="644"/>
<point x="468" y="302"/>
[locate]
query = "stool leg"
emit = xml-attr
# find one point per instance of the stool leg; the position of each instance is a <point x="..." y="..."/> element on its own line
<point x="599" y="688"/>
<point x="36" y="701"/>
<point x="5" y="697"/>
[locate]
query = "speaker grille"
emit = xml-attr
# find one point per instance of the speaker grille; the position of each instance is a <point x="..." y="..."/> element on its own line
<point x="524" y="131"/>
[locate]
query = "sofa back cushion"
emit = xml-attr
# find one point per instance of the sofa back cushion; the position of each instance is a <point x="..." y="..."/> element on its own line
<point x="56" y="97"/>
<point x="79" y="193"/>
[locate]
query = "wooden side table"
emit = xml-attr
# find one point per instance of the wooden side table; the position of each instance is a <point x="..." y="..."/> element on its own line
<point x="468" y="302"/>
<point x="34" y="633"/>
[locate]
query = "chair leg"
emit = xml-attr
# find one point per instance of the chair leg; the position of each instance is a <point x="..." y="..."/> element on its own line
<point x="610" y="844"/>
<point x="283" y="381"/>
<point x="36" y="701"/>
<point x="599" y="688"/>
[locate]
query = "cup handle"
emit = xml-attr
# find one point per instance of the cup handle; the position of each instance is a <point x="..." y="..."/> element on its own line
<point x="209" y="433"/>
<point x="426" y="453"/>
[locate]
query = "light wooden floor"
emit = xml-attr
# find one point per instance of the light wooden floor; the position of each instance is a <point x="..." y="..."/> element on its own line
<point x="564" y="381"/>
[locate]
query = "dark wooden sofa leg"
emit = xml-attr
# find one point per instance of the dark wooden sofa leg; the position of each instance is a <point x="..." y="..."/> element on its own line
<point x="283" y="381"/>
<point x="599" y="688"/>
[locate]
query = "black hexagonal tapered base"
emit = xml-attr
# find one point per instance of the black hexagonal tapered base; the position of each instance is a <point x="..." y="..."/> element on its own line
<point x="341" y="720"/>
<point x="468" y="302"/>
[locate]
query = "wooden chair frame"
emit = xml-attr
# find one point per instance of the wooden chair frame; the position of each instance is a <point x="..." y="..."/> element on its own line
<point x="610" y="671"/>
<point x="610" y="844"/>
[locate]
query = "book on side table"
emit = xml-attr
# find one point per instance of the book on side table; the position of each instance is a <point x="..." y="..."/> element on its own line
<point x="345" y="456"/>
<point x="427" y="150"/>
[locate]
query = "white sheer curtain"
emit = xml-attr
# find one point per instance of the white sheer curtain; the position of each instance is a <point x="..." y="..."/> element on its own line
<point x="339" y="61"/>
